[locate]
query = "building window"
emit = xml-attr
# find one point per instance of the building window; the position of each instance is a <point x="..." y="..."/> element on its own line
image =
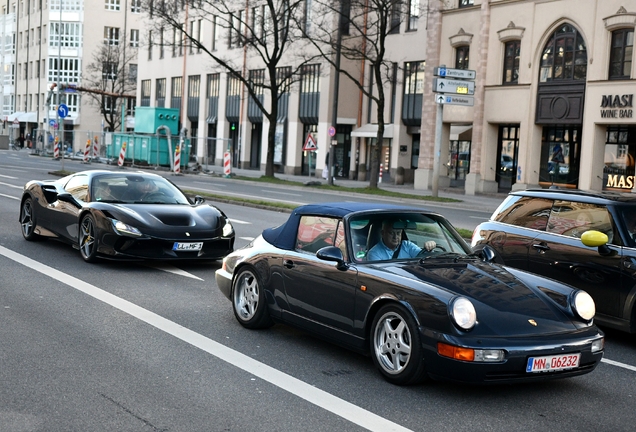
<point x="69" y="35"/>
<point x="134" y="38"/>
<point x="564" y="56"/>
<point x="621" y="53"/>
<point x="145" y="93"/>
<point x="414" y="15"/>
<point x="215" y="33"/>
<point x="161" y="43"/>
<point x="194" y="86"/>
<point x="395" y="17"/>
<point x="111" y="36"/>
<point x="466" y="3"/>
<point x="461" y="57"/>
<point x="150" y="45"/>
<point x="109" y="71"/>
<point x="310" y="79"/>
<point x="414" y="77"/>
<point x="68" y="71"/>
<point x="307" y="18"/>
<point x="620" y="151"/>
<point x="511" y="62"/>
<point x="66" y="5"/>
<point x="112" y="5"/>
<point x="135" y="6"/>
<point x="132" y="73"/>
<point x="160" y="96"/>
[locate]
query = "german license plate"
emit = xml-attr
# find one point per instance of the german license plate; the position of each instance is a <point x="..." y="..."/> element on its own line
<point x="553" y="363"/>
<point x="187" y="246"/>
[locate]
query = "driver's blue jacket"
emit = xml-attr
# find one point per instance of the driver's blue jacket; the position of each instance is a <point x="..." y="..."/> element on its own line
<point x="380" y="252"/>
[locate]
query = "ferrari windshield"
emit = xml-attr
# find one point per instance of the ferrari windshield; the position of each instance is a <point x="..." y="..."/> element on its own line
<point x="392" y="236"/>
<point x="135" y="188"/>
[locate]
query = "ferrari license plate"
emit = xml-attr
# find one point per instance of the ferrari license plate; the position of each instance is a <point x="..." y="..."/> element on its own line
<point x="187" y="246"/>
<point x="553" y="363"/>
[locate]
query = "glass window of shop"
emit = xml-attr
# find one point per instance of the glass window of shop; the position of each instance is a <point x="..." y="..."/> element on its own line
<point x="560" y="155"/>
<point x="309" y="157"/>
<point x="620" y="150"/>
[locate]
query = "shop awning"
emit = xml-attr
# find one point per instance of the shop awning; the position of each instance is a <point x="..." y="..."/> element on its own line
<point x="371" y="131"/>
<point x="23" y="117"/>
<point x="15" y="115"/>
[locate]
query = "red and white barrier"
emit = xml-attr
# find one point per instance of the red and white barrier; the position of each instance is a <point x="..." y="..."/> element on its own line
<point x="177" y="159"/>
<point x="122" y="154"/>
<point x="56" y="148"/>
<point x="95" y="148"/>
<point x="87" y="150"/>
<point x="380" y="178"/>
<point x="227" y="163"/>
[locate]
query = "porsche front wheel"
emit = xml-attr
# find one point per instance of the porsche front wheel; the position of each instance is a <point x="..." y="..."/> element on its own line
<point x="87" y="239"/>
<point x="27" y="220"/>
<point x="396" y="346"/>
<point x="248" y="301"/>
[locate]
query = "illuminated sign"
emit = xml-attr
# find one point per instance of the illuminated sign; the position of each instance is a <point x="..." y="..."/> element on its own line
<point x="620" y="181"/>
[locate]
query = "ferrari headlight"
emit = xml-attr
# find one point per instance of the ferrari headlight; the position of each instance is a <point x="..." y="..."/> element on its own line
<point x="463" y="313"/>
<point x="228" y="229"/>
<point x="584" y="305"/>
<point x="125" y="229"/>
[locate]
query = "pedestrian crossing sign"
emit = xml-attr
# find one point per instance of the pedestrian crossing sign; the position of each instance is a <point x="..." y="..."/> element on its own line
<point x="310" y="144"/>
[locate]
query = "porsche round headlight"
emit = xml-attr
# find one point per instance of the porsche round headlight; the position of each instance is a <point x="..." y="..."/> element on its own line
<point x="584" y="305"/>
<point x="463" y="313"/>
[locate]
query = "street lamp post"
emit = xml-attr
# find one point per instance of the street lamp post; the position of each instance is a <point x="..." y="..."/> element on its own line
<point x="336" y="89"/>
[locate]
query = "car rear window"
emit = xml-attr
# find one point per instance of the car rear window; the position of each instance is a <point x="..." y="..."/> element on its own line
<point x="526" y="212"/>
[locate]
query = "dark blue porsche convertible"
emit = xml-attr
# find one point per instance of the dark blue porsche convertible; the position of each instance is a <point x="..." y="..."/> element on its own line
<point x="401" y="284"/>
<point x="124" y="215"/>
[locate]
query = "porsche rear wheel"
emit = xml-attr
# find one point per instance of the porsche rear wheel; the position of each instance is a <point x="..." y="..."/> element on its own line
<point x="87" y="239"/>
<point x="396" y="346"/>
<point x="27" y="221"/>
<point x="248" y="301"/>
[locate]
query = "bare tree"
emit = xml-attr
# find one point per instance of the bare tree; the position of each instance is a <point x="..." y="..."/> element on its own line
<point x="111" y="80"/>
<point x="262" y="31"/>
<point x="364" y="27"/>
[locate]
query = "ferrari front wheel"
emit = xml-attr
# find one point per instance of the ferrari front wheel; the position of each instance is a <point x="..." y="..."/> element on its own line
<point x="27" y="220"/>
<point x="87" y="239"/>
<point x="396" y="346"/>
<point x="248" y="300"/>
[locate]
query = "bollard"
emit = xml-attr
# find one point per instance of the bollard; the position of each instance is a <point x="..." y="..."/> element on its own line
<point x="122" y="154"/>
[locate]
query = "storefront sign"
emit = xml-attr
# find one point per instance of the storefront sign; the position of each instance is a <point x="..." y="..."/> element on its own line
<point x="619" y="181"/>
<point x="617" y="106"/>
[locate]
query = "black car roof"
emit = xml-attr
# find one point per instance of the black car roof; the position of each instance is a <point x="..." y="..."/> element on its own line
<point x="601" y="197"/>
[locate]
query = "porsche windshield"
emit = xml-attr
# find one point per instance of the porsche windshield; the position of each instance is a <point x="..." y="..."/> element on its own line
<point x="135" y="188"/>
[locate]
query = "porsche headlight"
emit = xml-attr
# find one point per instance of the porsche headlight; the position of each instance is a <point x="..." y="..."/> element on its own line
<point x="584" y="305"/>
<point x="463" y="313"/>
<point x="125" y="229"/>
<point x="228" y="229"/>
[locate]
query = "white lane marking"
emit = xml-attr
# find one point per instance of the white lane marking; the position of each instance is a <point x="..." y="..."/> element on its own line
<point x="619" y="364"/>
<point x="247" y="238"/>
<point x="281" y="193"/>
<point x="260" y="198"/>
<point x="12" y="186"/>
<point x="9" y="196"/>
<point x="240" y="222"/>
<point x="308" y="392"/>
<point x="170" y="269"/>
<point x="9" y="177"/>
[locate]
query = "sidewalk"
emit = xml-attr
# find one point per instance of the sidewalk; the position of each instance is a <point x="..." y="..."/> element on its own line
<point x="485" y="202"/>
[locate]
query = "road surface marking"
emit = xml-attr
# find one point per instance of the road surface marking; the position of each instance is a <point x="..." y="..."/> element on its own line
<point x="241" y="195"/>
<point x="247" y="238"/>
<point x="9" y="177"/>
<point x="170" y="269"/>
<point x="240" y="222"/>
<point x="281" y="193"/>
<point x="10" y="185"/>
<point x="303" y="390"/>
<point x="619" y="364"/>
<point x="9" y="196"/>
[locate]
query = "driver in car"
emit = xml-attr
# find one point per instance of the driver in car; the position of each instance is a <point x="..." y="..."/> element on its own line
<point x="391" y="245"/>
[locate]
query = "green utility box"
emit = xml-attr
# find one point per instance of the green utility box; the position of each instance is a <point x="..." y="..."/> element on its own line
<point x="148" y="149"/>
<point x="148" y="119"/>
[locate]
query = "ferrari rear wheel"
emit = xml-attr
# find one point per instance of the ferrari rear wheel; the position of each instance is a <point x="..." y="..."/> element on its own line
<point x="396" y="346"/>
<point x="248" y="301"/>
<point x="87" y="240"/>
<point x="27" y="220"/>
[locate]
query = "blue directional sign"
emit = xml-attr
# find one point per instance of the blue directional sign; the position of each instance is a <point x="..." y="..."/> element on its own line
<point x="52" y="123"/>
<point x="62" y="110"/>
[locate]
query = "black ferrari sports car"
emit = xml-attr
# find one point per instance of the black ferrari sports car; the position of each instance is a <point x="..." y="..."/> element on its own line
<point x="124" y="215"/>
<point x="401" y="284"/>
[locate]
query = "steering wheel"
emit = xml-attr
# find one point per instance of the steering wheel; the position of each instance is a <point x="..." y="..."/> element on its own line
<point x="154" y="196"/>
<point x="437" y="248"/>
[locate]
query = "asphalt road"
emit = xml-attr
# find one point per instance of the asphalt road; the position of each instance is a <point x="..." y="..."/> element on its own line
<point x="133" y="347"/>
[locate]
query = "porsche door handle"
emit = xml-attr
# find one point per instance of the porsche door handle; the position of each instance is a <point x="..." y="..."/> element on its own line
<point x="289" y="264"/>
<point x="541" y="247"/>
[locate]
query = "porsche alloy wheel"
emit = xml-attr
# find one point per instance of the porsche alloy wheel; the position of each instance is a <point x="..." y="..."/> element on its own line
<point x="87" y="240"/>
<point x="396" y="346"/>
<point x="27" y="220"/>
<point x="248" y="301"/>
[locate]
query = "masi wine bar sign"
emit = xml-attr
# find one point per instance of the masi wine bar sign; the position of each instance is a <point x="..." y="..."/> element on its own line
<point x="617" y="106"/>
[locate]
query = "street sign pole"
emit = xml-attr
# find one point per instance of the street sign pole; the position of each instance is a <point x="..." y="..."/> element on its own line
<point x="437" y="149"/>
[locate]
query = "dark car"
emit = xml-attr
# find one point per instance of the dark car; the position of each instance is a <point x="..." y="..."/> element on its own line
<point x="428" y="308"/>
<point x="123" y="215"/>
<point x="582" y="238"/>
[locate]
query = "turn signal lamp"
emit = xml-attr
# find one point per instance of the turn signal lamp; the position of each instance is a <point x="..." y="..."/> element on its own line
<point x="469" y="354"/>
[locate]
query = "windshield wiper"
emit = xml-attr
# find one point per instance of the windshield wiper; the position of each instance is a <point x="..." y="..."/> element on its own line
<point x="448" y="255"/>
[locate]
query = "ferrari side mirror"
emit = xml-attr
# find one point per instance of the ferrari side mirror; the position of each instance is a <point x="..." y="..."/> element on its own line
<point x="198" y="199"/>
<point x="67" y="197"/>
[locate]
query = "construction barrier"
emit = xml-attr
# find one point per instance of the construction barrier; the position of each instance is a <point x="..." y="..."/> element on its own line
<point x="380" y="177"/>
<point x="56" y="148"/>
<point x="177" y="159"/>
<point x="227" y="164"/>
<point x="122" y="154"/>
<point x="87" y="151"/>
<point x="95" y="147"/>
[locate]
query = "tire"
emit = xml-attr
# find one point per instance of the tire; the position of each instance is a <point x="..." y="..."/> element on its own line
<point x="396" y="347"/>
<point x="88" y="243"/>
<point x="27" y="221"/>
<point x="248" y="300"/>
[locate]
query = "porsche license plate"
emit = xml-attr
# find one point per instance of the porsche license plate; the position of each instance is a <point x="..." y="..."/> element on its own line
<point x="187" y="246"/>
<point x="553" y="363"/>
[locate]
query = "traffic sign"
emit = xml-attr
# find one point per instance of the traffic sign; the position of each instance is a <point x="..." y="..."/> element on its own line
<point x="310" y="144"/>
<point x="443" y="85"/>
<point x="332" y="131"/>
<point x="455" y="100"/>
<point x="52" y="123"/>
<point x="62" y="110"/>
<point x="454" y="73"/>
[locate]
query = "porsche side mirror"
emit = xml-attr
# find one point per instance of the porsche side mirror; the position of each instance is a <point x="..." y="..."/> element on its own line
<point x="67" y="197"/>
<point x="332" y="253"/>
<point x="198" y="199"/>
